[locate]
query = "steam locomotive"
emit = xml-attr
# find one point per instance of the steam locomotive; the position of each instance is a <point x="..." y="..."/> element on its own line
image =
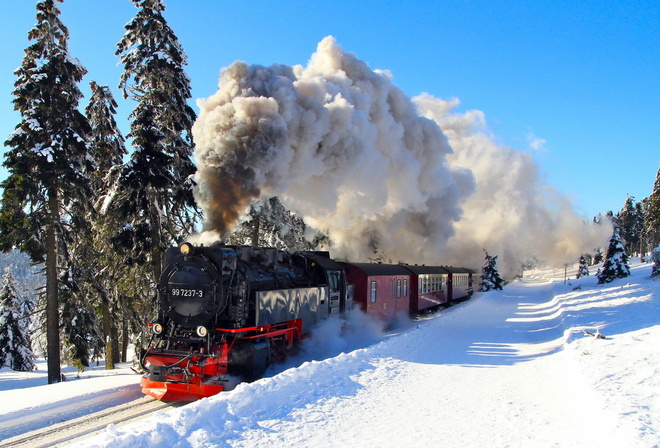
<point x="228" y="312"/>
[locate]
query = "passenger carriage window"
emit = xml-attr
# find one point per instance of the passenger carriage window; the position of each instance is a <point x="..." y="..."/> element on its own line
<point x="373" y="292"/>
<point x="398" y="288"/>
<point x="405" y="287"/>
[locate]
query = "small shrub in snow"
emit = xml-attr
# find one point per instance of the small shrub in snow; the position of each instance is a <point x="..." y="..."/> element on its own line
<point x="490" y="278"/>
<point x="655" y="257"/>
<point x="583" y="271"/>
<point x="616" y="261"/>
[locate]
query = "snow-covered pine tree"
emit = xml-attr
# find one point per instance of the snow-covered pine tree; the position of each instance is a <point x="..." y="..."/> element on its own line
<point x="655" y="257"/>
<point x="108" y="145"/>
<point x="269" y="223"/>
<point x="490" y="277"/>
<point x="652" y="218"/>
<point x="108" y="148"/>
<point x="616" y="261"/>
<point x="598" y="256"/>
<point x="80" y="324"/>
<point x="640" y="218"/>
<point x="154" y="190"/>
<point x="631" y="223"/>
<point x="583" y="270"/>
<point x="45" y="161"/>
<point x="15" y="348"/>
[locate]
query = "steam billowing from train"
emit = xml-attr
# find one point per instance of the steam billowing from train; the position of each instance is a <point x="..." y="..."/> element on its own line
<point x="350" y="152"/>
<point x="512" y="213"/>
<point x="338" y="143"/>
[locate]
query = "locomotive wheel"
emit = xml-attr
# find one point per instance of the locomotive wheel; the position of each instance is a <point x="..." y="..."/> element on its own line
<point x="248" y="360"/>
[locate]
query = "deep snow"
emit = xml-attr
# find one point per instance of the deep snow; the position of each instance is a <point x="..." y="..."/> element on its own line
<point x="507" y="368"/>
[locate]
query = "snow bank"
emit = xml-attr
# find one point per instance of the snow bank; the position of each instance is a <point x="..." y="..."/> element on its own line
<point x="509" y="368"/>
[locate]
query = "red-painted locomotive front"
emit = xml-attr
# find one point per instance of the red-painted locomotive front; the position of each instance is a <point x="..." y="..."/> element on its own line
<point x="191" y="376"/>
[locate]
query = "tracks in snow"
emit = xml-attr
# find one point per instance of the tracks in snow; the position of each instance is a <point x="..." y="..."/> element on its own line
<point x="82" y="427"/>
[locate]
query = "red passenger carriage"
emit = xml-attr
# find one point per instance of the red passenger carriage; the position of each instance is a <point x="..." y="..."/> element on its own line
<point x="382" y="290"/>
<point x="429" y="288"/>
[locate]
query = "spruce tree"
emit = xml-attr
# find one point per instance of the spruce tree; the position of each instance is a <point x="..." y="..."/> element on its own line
<point x="652" y="218"/>
<point x="583" y="270"/>
<point x="154" y="189"/>
<point x="80" y="326"/>
<point x="616" y="261"/>
<point x="655" y="257"/>
<point x="631" y="222"/>
<point x="625" y="220"/>
<point x="45" y="161"/>
<point x="598" y="256"/>
<point x="269" y="223"/>
<point x="108" y="149"/>
<point x="490" y="277"/>
<point x="107" y="143"/>
<point x="15" y="348"/>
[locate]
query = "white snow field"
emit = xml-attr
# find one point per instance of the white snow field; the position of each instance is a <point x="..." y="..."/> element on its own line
<point x="511" y="368"/>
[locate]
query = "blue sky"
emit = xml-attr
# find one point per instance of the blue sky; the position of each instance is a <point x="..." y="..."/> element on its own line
<point x="583" y="76"/>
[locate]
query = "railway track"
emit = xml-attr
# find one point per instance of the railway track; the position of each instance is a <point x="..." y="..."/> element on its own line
<point x="75" y="430"/>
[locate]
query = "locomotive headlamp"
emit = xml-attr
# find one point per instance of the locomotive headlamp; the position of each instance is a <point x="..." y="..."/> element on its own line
<point x="202" y="331"/>
<point x="157" y="328"/>
<point x="185" y="248"/>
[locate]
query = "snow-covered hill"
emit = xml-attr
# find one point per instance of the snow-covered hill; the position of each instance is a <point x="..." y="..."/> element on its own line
<point x="507" y="368"/>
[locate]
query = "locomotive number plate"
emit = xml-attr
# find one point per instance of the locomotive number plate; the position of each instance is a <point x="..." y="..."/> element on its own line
<point x="187" y="292"/>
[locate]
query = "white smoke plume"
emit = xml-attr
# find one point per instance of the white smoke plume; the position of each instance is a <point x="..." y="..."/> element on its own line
<point x="348" y="151"/>
<point x="512" y="213"/>
<point x="340" y="145"/>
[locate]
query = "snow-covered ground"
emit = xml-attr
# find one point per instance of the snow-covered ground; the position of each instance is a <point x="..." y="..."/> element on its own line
<point x="511" y="368"/>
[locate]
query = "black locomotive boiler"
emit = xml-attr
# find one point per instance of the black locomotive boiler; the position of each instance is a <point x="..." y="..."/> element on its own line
<point x="230" y="311"/>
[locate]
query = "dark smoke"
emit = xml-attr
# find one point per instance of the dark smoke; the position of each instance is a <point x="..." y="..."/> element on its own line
<point x="339" y="144"/>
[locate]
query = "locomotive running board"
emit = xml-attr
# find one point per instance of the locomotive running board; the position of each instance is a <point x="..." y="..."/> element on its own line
<point x="178" y="391"/>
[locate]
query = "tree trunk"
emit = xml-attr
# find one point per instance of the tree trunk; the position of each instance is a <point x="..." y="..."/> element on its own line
<point x="52" y="311"/>
<point x="124" y="341"/>
<point x="156" y="241"/>
<point x="107" y="336"/>
<point x="114" y="335"/>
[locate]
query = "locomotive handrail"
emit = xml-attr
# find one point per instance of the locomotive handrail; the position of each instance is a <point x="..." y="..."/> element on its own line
<point x="185" y="358"/>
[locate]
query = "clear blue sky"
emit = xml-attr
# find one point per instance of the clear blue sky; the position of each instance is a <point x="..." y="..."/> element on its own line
<point x="582" y="75"/>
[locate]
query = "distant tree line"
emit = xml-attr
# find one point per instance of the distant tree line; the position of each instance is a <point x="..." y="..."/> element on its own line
<point x="636" y="233"/>
<point x="639" y="222"/>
